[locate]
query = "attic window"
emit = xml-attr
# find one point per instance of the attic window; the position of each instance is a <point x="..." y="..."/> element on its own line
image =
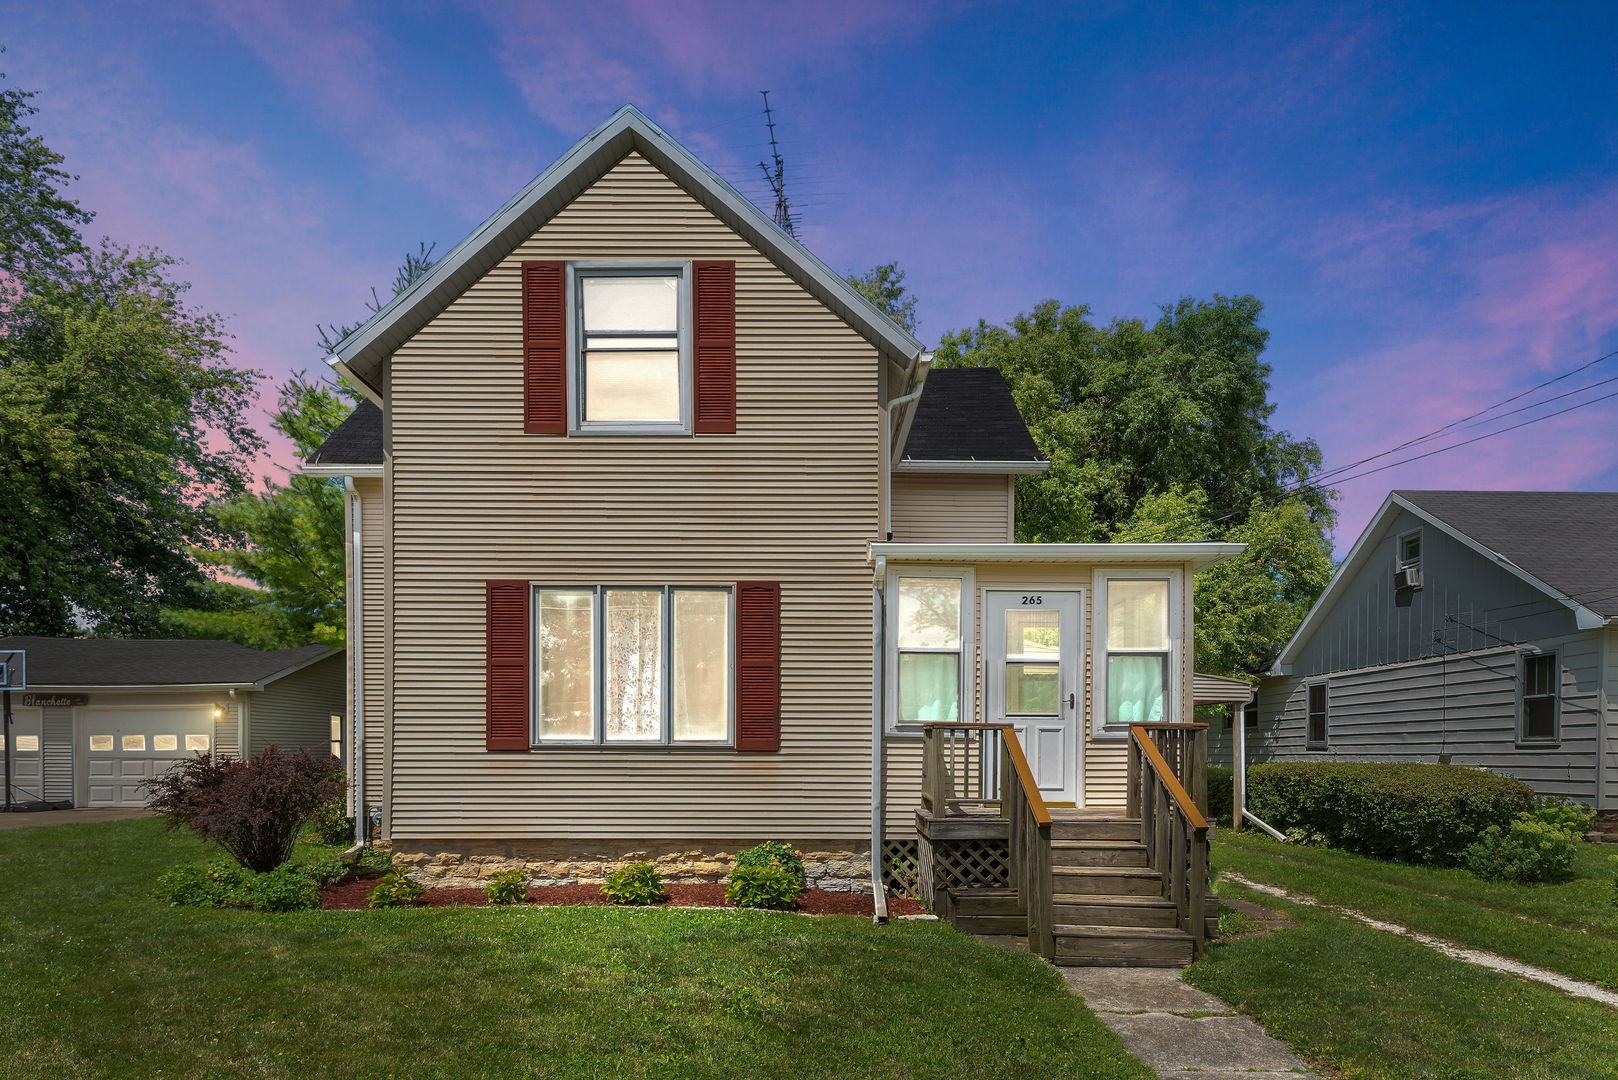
<point x="1407" y="563"/>
<point x="631" y="364"/>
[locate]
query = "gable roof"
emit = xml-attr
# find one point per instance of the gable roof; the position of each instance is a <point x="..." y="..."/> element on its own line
<point x="156" y="662"/>
<point x="968" y="416"/>
<point x="1566" y="539"/>
<point x="1560" y="542"/>
<point x="965" y="417"/>
<point x="357" y="440"/>
<point x="360" y="355"/>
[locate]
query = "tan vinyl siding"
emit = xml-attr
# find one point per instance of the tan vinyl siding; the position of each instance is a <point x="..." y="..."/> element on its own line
<point x="1104" y="759"/>
<point x="792" y="497"/>
<point x="374" y="642"/>
<point x="952" y="509"/>
<point x="294" y="712"/>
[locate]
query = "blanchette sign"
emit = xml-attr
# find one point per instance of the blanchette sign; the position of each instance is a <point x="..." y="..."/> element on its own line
<point x="52" y="701"/>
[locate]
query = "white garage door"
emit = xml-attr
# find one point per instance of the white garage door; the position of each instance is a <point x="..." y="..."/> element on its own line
<point x="126" y="747"/>
<point x="27" y="774"/>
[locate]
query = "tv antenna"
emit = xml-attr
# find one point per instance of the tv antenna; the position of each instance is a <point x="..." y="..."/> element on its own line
<point x="776" y="176"/>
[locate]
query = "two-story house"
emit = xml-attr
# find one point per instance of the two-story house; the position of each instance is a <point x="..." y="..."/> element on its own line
<point x="665" y="541"/>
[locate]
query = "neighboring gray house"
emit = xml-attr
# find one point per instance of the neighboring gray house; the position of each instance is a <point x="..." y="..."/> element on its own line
<point x="1474" y="627"/>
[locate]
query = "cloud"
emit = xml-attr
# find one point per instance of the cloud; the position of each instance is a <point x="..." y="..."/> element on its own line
<point x="1479" y="301"/>
<point x="327" y="55"/>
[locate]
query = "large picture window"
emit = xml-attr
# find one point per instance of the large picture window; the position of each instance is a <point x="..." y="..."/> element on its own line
<point x="1137" y="618"/>
<point x="630" y="369"/>
<point x="928" y="616"/>
<point x="632" y="665"/>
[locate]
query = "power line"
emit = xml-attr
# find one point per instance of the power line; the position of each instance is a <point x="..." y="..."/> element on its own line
<point x="1335" y="476"/>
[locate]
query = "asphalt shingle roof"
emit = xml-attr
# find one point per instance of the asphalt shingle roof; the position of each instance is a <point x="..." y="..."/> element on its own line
<point x="357" y="440"/>
<point x="968" y="414"/>
<point x="149" y="662"/>
<point x="964" y="414"/>
<point x="1567" y="539"/>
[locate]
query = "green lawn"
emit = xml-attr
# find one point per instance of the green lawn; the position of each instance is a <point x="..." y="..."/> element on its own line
<point x="1379" y="1007"/>
<point x="1571" y="928"/>
<point x="97" y="979"/>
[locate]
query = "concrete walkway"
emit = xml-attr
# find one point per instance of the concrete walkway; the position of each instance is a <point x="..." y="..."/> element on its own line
<point x="1180" y="1032"/>
<point x="33" y="818"/>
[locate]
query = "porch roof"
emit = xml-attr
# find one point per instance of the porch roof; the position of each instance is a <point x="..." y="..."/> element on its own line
<point x="1198" y="556"/>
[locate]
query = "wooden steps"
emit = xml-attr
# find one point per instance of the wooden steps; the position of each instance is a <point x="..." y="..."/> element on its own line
<point x="1109" y="907"/>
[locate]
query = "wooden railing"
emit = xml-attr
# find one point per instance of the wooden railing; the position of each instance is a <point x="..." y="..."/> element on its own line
<point x="980" y="769"/>
<point x="1167" y="762"/>
<point x="957" y="769"/>
<point x="1029" y="844"/>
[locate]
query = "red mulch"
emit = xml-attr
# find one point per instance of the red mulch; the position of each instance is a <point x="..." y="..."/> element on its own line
<point x="352" y="894"/>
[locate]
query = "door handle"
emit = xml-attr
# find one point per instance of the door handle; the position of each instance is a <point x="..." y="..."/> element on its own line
<point x="1071" y="699"/>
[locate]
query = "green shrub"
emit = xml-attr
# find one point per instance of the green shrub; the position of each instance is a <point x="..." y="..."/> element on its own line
<point x="763" y="887"/>
<point x="637" y="883"/>
<point x="773" y="853"/>
<point x="283" y="889"/>
<point x="1221" y="794"/>
<point x="395" y="890"/>
<point x="373" y="859"/>
<point x="325" y="872"/>
<point x="188" y="885"/>
<point x="1527" y="850"/>
<point x="1570" y="817"/>
<point x="1412" y="813"/>
<point x="332" y="825"/>
<point x="507" y="887"/>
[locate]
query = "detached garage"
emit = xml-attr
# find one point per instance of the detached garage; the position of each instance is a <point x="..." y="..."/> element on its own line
<point x="101" y="716"/>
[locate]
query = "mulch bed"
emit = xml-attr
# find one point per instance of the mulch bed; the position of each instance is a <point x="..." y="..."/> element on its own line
<point x="351" y="894"/>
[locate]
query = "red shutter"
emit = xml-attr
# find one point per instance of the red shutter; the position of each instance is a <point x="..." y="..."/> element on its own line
<point x="758" y="666"/>
<point x="544" y="348"/>
<point x="506" y="717"/>
<point x="714" y="334"/>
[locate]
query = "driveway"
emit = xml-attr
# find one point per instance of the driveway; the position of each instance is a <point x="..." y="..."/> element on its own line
<point x="32" y="818"/>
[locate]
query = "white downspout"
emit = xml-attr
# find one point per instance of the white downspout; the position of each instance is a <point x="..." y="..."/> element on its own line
<point x="879" y="893"/>
<point x="356" y="657"/>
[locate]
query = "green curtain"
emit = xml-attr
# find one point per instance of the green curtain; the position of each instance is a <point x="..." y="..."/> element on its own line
<point x="1135" y="689"/>
<point x="929" y="687"/>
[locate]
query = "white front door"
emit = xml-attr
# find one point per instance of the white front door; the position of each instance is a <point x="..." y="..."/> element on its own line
<point x="1031" y="656"/>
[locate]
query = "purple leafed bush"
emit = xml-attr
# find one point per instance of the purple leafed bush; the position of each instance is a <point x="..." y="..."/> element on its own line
<point x="253" y="808"/>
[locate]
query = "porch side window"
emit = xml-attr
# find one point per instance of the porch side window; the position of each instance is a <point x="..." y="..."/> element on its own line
<point x="928" y="638"/>
<point x="1138" y="638"/>
<point x="1541" y="698"/>
<point x="632" y="665"/>
<point x="630" y="366"/>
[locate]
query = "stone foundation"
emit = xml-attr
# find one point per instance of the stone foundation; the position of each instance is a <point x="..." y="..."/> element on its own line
<point x="469" y="863"/>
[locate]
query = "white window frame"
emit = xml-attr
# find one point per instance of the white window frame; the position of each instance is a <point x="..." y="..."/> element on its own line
<point x="1555" y="737"/>
<point x="967" y="710"/>
<point x="598" y="688"/>
<point x="1399" y="560"/>
<point x="1099" y="728"/>
<point x="1309" y="740"/>
<point x="577" y="424"/>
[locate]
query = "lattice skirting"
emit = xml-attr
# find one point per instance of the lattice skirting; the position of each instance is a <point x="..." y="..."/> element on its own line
<point x="971" y="864"/>
<point x="900" y="871"/>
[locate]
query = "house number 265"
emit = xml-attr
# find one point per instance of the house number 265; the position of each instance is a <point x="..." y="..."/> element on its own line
<point x="1031" y="601"/>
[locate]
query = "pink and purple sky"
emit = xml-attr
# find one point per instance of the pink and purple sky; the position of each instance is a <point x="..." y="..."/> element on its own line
<point x="1425" y="197"/>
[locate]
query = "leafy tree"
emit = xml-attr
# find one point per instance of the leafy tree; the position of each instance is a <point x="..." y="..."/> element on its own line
<point x="120" y="416"/>
<point x="1162" y="432"/>
<point x="287" y="540"/>
<point x="39" y="226"/>
<point x="884" y="286"/>
<point x="1246" y="607"/>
